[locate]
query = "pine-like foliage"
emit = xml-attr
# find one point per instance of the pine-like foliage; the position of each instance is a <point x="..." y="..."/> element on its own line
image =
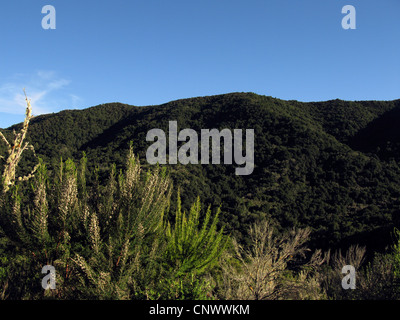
<point x="192" y="247"/>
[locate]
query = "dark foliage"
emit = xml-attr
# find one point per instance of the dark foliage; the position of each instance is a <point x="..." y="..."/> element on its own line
<point x="332" y="166"/>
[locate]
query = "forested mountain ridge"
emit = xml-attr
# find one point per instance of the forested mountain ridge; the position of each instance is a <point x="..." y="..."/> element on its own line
<point x="329" y="165"/>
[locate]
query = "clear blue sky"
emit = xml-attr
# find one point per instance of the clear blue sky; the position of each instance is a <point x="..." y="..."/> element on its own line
<point x="146" y="52"/>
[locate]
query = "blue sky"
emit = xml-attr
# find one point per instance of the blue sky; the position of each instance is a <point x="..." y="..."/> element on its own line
<point x="153" y="51"/>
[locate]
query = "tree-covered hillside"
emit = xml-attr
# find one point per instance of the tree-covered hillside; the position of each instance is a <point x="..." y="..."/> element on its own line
<point x="326" y="165"/>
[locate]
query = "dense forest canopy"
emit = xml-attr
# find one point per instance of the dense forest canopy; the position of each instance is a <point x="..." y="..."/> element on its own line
<point x="332" y="166"/>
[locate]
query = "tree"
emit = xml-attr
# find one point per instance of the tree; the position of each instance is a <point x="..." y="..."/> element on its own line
<point x="262" y="272"/>
<point x="191" y="247"/>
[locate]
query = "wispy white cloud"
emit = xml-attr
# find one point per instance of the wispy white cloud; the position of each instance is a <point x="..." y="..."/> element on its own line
<point x="45" y="89"/>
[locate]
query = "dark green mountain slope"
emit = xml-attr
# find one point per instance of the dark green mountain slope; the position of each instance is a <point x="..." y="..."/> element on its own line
<point x="344" y="119"/>
<point x="308" y="170"/>
<point x="381" y="136"/>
